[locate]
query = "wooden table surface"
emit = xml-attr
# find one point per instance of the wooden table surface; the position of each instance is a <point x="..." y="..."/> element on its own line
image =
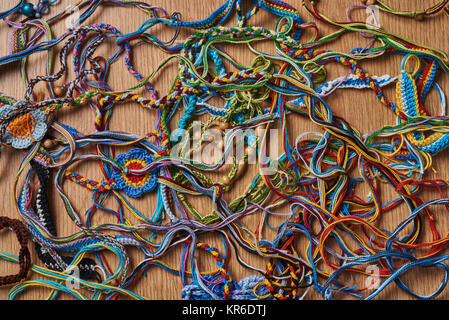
<point x="360" y="108"/>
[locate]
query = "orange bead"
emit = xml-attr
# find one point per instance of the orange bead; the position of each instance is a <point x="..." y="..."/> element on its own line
<point x="220" y="145"/>
<point x="223" y="125"/>
<point x="419" y="16"/>
<point x="226" y="181"/>
<point x="250" y="151"/>
<point x="48" y="143"/>
<point x="59" y="91"/>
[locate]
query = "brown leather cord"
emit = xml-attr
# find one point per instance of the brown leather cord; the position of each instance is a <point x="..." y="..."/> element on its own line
<point x="24" y="254"/>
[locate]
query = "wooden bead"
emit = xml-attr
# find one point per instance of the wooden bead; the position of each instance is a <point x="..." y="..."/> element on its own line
<point x="59" y="91"/>
<point x="209" y="137"/>
<point x="226" y="181"/>
<point x="259" y="131"/>
<point x="250" y="151"/>
<point x="48" y="143"/>
<point x="419" y="16"/>
<point x="369" y="2"/>
<point x="220" y="145"/>
<point x="197" y="135"/>
<point x="223" y="126"/>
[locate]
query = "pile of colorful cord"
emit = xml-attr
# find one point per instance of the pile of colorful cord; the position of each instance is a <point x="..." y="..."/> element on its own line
<point x="318" y="233"/>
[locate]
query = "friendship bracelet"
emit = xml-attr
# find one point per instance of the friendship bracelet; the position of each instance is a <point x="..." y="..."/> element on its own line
<point x="308" y="192"/>
<point x="24" y="258"/>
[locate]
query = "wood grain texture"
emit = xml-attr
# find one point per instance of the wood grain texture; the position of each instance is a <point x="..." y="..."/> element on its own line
<point x="359" y="108"/>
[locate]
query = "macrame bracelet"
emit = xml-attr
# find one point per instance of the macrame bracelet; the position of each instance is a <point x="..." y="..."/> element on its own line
<point x="24" y="254"/>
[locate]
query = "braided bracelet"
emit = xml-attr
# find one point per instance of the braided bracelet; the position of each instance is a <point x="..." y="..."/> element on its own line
<point x="24" y="254"/>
